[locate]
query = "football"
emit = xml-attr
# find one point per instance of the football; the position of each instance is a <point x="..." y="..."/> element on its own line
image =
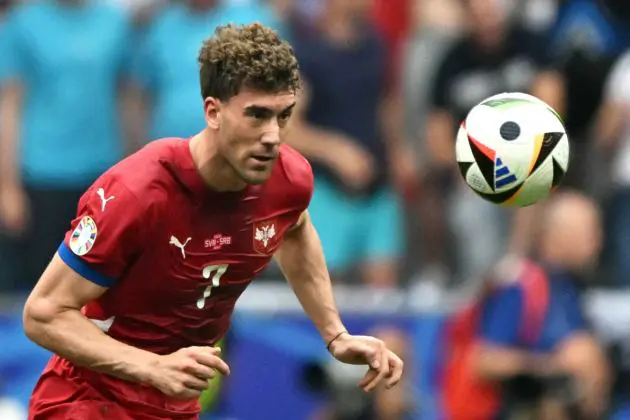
<point x="512" y="149"/>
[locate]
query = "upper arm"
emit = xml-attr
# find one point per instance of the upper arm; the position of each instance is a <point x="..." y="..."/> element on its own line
<point x="102" y="242"/>
<point x="549" y="87"/>
<point x="143" y="61"/>
<point x="616" y="101"/>
<point x="59" y="289"/>
<point x="12" y="49"/>
<point x="501" y="317"/>
<point x="108" y="234"/>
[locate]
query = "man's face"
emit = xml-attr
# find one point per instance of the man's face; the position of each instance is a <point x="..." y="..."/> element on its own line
<point x="487" y="18"/>
<point x="251" y="127"/>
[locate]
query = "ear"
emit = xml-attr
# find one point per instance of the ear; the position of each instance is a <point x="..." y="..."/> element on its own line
<point x="212" y="110"/>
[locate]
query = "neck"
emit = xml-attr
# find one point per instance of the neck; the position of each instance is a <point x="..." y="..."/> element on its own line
<point x="216" y="172"/>
<point x="337" y="26"/>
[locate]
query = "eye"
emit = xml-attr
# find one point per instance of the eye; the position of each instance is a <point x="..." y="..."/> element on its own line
<point x="258" y="114"/>
<point x="284" y="116"/>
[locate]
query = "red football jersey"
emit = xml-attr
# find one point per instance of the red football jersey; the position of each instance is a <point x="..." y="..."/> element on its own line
<point x="175" y="255"/>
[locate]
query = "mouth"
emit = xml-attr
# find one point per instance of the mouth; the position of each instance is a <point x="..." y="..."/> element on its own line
<point x="264" y="158"/>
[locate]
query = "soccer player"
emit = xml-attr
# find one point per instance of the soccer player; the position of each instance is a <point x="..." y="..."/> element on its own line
<point x="164" y="243"/>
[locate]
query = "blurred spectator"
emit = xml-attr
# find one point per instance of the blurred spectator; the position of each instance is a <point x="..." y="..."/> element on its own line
<point x="551" y="353"/>
<point x="393" y="21"/>
<point x="494" y="56"/>
<point x="166" y="68"/>
<point x="344" y="127"/>
<point x="397" y="403"/>
<point x="436" y="23"/>
<point x="585" y="41"/>
<point x="4" y="5"/>
<point x="348" y="403"/>
<point x="613" y="139"/>
<point x="61" y="70"/>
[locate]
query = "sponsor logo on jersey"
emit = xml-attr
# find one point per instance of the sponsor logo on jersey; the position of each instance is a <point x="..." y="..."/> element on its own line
<point x="83" y="237"/>
<point x="101" y="193"/>
<point x="217" y="242"/>
<point x="178" y="244"/>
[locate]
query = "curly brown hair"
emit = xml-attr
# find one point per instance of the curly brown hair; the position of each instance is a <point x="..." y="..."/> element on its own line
<point x="249" y="56"/>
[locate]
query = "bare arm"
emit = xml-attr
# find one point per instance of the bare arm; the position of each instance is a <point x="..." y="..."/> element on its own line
<point x="10" y="105"/>
<point x="609" y="125"/>
<point x="314" y="142"/>
<point x="549" y="87"/>
<point x="498" y="363"/>
<point x="301" y="260"/>
<point x="441" y="139"/>
<point x="53" y="319"/>
<point x="582" y="356"/>
<point x="134" y="111"/>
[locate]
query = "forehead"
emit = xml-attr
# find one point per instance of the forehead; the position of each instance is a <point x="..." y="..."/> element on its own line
<point x="274" y="101"/>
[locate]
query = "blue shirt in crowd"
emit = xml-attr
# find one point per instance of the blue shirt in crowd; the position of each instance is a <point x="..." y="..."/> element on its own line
<point x="502" y="315"/>
<point x="70" y="60"/>
<point x="167" y="65"/>
<point x="347" y="85"/>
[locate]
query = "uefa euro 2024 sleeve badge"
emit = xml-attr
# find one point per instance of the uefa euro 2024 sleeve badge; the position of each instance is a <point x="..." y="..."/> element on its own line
<point x="83" y="236"/>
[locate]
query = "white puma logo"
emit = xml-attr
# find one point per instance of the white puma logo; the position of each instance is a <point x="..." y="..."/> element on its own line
<point x="101" y="193"/>
<point x="178" y="244"/>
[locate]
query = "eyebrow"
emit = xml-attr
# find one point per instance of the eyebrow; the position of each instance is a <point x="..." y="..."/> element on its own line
<point x="265" y="110"/>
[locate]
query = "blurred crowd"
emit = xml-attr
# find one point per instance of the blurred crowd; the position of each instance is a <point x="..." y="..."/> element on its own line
<point x="83" y="83"/>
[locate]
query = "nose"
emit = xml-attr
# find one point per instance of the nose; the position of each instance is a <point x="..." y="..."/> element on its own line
<point x="271" y="135"/>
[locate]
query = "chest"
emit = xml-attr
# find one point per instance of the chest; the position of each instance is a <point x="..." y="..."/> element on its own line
<point x="354" y="69"/>
<point x="563" y="316"/>
<point x="477" y="79"/>
<point x="206" y="256"/>
<point x="73" y="46"/>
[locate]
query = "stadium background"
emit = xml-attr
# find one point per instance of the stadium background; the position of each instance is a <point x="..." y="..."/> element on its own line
<point x="273" y="351"/>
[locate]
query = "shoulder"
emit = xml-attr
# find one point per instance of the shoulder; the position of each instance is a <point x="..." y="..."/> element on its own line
<point x="293" y="176"/>
<point x="168" y="14"/>
<point x="144" y="175"/>
<point x="296" y="168"/>
<point x="115" y="14"/>
<point x="111" y="10"/>
<point x="23" y="13"/>
<point x="167" y="18"/>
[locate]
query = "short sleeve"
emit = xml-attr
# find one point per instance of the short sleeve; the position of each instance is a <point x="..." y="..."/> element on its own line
<point x="108" y="233"/>
<point x="300" y="176"/>
<point x="539" y="52"/>
<point x="501" y="317"/>
<point x="618" y="83"/>
<point x="445" y="73"/>
<point x="129" y="38"/>
<point x="12" y="50"/>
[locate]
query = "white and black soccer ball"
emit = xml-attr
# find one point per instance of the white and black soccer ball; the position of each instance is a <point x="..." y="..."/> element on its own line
<point x="512" y="149"/>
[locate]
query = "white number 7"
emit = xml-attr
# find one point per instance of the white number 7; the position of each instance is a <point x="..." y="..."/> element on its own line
<point x="219" y="271"/>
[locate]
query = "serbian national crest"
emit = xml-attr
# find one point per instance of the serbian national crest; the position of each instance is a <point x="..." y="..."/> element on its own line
<point x="264" y="236"/>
